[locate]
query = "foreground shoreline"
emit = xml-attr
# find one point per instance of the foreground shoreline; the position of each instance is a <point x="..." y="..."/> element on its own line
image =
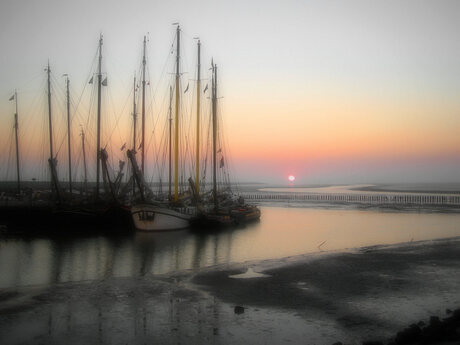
<point x="348" y="296"/>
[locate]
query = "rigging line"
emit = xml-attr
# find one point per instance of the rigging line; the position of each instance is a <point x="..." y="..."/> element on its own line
<point x="9" y="154"/>
<point x="38" y="75"/>
<point x="56" y="85"/>
<point x="155" y="120"/>
<point x="112" y="155"/>
<point x="192" y="105"/>
<point x="57" y="92"/>
<point x="169" y="59"/>
<point x="162" y="150"/>
<point x="151" y="90"/>
<point x="60" y="110"/>
<point x="25" y="123"/>
<point x="229" y="165"/>
<point x="229" y="157"/>
<point x="34" y="135"/>
<point x="75" y="114"/>
<point x="86" y="82"/>
<point x="91" y="106"/>
<point x="43" y="173"/>
<point x="94" y="84"/>
<point x="159" y="146"/>
<point x="158" y="117"/>
<point x="117" y="117"/>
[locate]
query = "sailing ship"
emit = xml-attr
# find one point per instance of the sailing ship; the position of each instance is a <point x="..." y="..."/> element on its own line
<point x="223" y="208"/>
<point x="178" y="212"/>
<point x="133" y="204"/>
<point x="57" y="211"/>
<point x="152" y="214"/>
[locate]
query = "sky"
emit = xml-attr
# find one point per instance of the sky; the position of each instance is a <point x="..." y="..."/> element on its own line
<point x="328" y="91"/>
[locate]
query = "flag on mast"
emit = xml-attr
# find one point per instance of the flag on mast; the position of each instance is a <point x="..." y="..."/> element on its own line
<point x="11" y="98"/>
<point x="186" y="89"/>
<point x="206" y="87"/>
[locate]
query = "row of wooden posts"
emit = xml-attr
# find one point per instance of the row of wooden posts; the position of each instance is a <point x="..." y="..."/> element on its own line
<point x="399" y="199"/>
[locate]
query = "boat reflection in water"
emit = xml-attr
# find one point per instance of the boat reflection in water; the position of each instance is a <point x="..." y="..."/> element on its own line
<point x="50" y="261"/>
<point x="281" y="232"/>
<point x="79" y="291"/>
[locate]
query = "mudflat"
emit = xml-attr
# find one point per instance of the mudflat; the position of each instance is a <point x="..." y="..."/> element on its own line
<point x="352" y="296"/>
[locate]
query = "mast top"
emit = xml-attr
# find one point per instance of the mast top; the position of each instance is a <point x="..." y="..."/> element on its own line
<point x="143" y="56"/>
<point x="100" y="51"/>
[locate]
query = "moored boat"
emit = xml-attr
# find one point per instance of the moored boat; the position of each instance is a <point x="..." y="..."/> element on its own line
<point x="223" y="208"/>
<point x="147" y="217"/>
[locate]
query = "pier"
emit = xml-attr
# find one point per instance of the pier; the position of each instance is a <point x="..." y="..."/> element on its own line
<point x="364" y="198"/>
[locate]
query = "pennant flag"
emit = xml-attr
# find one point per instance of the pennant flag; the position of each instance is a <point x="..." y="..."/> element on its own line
<point x="123" y="147"/>
<point x="221" y="162"/>
<point x="11" y="98"/>
<point x="104" y="82"/>
<point x="90" y="81"/>
<point x="219" y="150"/>
<point x="206" y="87"/>
<point x="186" y="89"/>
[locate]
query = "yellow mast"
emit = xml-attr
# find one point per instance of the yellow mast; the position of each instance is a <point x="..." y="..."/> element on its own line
<point x="176" y="124"/>
<point x="198" y="89"/>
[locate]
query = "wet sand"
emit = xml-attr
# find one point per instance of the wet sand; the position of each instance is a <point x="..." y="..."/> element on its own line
<point x="352" y="296"/>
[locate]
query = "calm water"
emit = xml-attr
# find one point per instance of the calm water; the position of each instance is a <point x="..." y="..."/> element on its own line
<point x="282" y="232"/>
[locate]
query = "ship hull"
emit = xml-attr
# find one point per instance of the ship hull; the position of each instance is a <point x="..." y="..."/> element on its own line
<point x="151" y="218"/>
<point x="46" y="219"/>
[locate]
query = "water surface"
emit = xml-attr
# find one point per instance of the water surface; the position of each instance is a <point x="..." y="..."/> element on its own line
<point x="281" y="232"/>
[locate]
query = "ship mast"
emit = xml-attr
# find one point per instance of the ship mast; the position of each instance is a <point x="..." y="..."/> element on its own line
<point x="98" y="144"/>
<point x="170" y="141"/>
<point x="68" y="135"/>
<point x="84" y="161"/>
<point x="134" y="124"/>
<point x="176" y="124"/>
<point x="52" y="161"/>
<point x="17" y="142"/>
<point x="143" y="110"/>
<point x="48" y="70"/>
<point x="134" y="115"/>
<point x="214" y="135"/>
<point x="198" y="90"/>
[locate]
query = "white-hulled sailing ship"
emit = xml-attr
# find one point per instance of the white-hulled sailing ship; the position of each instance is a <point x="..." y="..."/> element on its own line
<point x="150" y="213"/>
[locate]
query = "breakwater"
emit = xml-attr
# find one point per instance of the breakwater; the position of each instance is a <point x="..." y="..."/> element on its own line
<point x="365" y="198"/>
